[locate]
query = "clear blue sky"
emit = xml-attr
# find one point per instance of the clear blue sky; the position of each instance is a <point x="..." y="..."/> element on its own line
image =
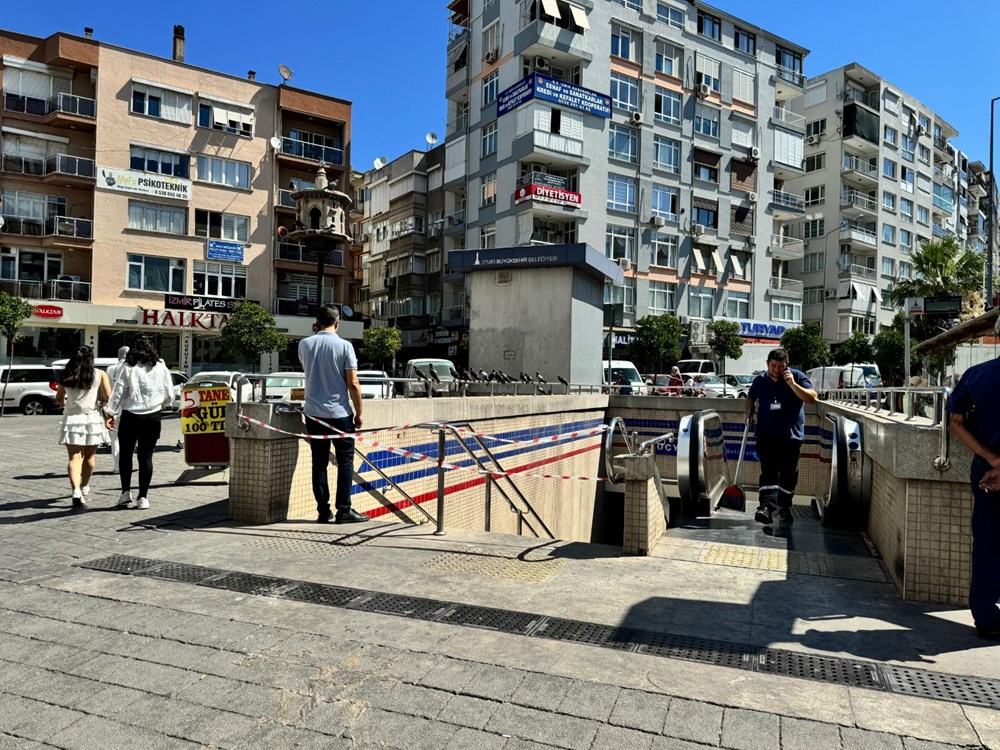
<point x="388" y="56"/>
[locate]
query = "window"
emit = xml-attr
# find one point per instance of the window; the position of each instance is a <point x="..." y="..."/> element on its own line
<point x="156" y="217"/>
<point x="814" y="195"/>
<point x="621" y="193"/>
<point x="706" y="120"/>
<point x="889" y="169"/>
<point x="221" y="226"/>
<point x="220" y="279"/>
<point x="740" y="262"/>
<point x="488" y="235"/>
<point x="710" y="26"/>
<point x="161" y="162"/>
<point x="669" y="15"/>
<point x="635" y="5"/>
<point x="488" y="189"/>
<point x="891" y="101"/>
<point x="737" y="305"/>
<point x="888" y="201"/>
<point x="889" y="234"/>
<point x="923" y="153"/>
<point x="224" y="172"/>
<point x="812" y="262"/>
<point x="792" y="64"/>
<point x="787" y="311"/>
<point x="888" y="267"/>
<point x="705" y="214"/>
<point x="908" y="145"/>
<point x="905" y="240"/>
<point x="744" y="87"/>
<point x="668" y="59"/>
<point x="706" y="166"/>
<point x="661" y="297"/>
<point x="924" y="183"/>
<point x="816" y="127"/>
<point x="667" y="106"/>
<point x="815" y="162"/>
<point x="905" y="270"/>
<point x="148" y="273"/>
<point x="489" y="140"/>
<point x="813" y="228"/>
<point x="744" y="41"/>
<point x="703" y="260"/>
<point x="623" y="143"/>
<point x="890" y="135"/>
<point x="665" y="202"/>
<point x="624" y="92"/>
<point x="623" y="295"/>
<point x="743" y="132"/>
<point x="619" y="242"/>
<point x="625" y="42"/>
<point x="166" y="104"/>
<point x="664" y="249"/>
<point x="230" y="118"/>
<point x="812" y="295"/>
<point x="666" y="154"/>
<point x="699" y="302"/>
<point x="491" y="40"/>
<point x="923" y="215"/>
<point x="315" y="146"/>
<point x="906" y="209"/>
<point x="490" y="83"/>
<point x="709" y="71"/>
<point x="906" y="177"/>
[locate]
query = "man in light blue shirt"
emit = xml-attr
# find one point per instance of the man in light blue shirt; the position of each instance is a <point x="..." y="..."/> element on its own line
<point x="331" y="369"/>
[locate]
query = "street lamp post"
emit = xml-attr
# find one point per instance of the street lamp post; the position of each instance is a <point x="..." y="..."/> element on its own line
<point x="991" y="222"/>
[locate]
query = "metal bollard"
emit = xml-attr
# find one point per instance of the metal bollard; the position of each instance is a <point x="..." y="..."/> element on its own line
<point x="489" y="501"/>
<point x="440" y="503"/>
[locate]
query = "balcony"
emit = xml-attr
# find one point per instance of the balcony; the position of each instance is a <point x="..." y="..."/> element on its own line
<point x="538" y="37"/>
<point x="298" y="149"/>
<point x="859" y="170"/>
<point x="63" y="169"/>
<point x="356" y="275"/>
<point x="788" y="83"/>
<point x="943" y="151"/>
<point x="786" y="206"/>
<point x="302" y="308"/>
<point x="859" y="235"/>
<point x="786" y="248"/>
<point x="549" y="148"/>
<point x="285" y="202"/>
<point x="65" y="288"/>
<point x="56" y="231"/>
<point x="787" y="117"/>
<point x="455" y="223"/>
<point x="856" y="272"/>
<point x="299" y="253"/>
<point x="861" y="201"/>
<point x="61" y="109"/>
<point x="453" y="315"/>
<point x="866" y="303"/>
<point x="943" y="205"/>
<point x="939" y="231"/>
<point x="782" y="287"/>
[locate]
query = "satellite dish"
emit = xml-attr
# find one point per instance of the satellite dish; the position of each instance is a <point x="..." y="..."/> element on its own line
<point x="346" y="309"/>
<point x="431" y="138"/>
<point x="381" y="162"/>
<point x="285" y="72"/>
<point x="275" y="142"/>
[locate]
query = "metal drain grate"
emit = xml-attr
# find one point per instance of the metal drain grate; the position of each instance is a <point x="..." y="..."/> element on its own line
<point x="590" y="633"/>
<point x="974" y="691"/>
<point x="691" y="648"/>
<point x="321" y="593"/>
<point x="819" y="668"/>
<point x="180" y="572"/>
<point x="248" y="583"/>
<point x="124" y="564"/>
<point x="492" y="619"/>
<point x="403" y="606"/>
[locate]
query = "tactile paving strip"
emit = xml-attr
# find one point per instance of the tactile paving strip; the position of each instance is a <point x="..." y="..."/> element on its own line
<point x="834" y="670"/>
<point x="763" y="558"/>
<point x="535" y="571"/>
<point x="307" y="546"/>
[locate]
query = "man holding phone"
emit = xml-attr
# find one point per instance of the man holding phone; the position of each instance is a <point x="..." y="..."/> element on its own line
<point x="780" y="430"/>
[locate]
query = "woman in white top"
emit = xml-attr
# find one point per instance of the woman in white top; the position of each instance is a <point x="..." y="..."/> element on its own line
<point x="142" y="390"/>
<point x="83" y="427"/>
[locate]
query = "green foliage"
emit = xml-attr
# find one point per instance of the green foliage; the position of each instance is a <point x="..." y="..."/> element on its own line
<point x="725" y="341"/>
<point x="657" y="342"/>
<point x="13" y="312"/>
<point x="942" y="267"/>
<point x="889" y="353"/>
<point x="806" y="346"/>
<point x="381" y="344"/>
<point x="856" y="349"/>
<point x="252" y="332"/>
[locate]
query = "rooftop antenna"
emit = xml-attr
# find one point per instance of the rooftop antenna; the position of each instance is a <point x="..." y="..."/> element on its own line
<point x="431" y="138"/>
<point x="285" y="72"/>
<point x="380" y="162"/>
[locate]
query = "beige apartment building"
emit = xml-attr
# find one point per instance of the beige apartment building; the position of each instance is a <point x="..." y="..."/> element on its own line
<point x="144" y="194"/>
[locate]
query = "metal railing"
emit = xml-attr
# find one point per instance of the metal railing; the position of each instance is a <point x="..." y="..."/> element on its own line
<point x="943" y="203"/>
<point x="313" y="151"/>
<point x="792" y="76"/>
<point x="939" y="231"/>
<point x="790" y="244"/>
<point x="858" y="200"/>
<point x="856" y="270"/>
<point x="73" y="166"/>
<point x="780" y="114"/>
<point x="303" y="254"/>
<point x="858" y="233"/>
<point x="788" y="200"/>
<point x="71" y="104"/>
<point x="782" y="284"/>
<point x="285" y="198"/>
<point x="617" y="424"/>
<point x="67" y="226"/>
<point x="860" y="166"/>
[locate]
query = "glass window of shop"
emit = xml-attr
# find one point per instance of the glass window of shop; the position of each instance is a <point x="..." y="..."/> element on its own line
<point x="40" y="346"/>
<point x="110" y="340"/>
<point x="207" y="354"/>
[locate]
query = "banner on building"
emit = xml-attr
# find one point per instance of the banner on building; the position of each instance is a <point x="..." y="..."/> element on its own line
<point x="563" y="93"/>
<point x="144" y="183"/>
<point x="545" y="194"/>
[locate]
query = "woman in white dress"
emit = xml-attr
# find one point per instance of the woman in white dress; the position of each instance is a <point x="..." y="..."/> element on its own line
<point x="84" y="427"/>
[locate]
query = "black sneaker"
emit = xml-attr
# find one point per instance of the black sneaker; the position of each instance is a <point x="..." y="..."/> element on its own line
<point x="351" y="516"/>
<point x="324" y="517"/>
<point x="763" y="515"/>
<point x="785" y="515"/>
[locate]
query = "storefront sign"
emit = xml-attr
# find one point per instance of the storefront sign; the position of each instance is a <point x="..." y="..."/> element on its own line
<point x="538" y="86"/>
<point x="191" y="302"/>
<point x="760" y="329"/>
<point x="143" y="183"/>
<point x="543" y="178"/>
<point x="222" y="250"/>
<point x="47" y="311"/>
<point x="545" y="194"/>
<point x="203" y="410"/>
<point x="205" y="321"/>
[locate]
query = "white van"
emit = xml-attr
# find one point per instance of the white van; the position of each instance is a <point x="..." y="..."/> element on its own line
<point x="627" y="370"/>
<point x="837" y="377"/>
<point x="442" y="368"/>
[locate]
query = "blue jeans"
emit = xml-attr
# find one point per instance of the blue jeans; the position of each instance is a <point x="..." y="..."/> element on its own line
<point x="344" y="450"/>
<point x="984" y="588"/>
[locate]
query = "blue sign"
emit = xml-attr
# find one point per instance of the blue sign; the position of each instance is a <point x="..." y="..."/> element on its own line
<point x="761" y="329"/>
<point x="222" y="250"/>
<point x="538" y="86"/>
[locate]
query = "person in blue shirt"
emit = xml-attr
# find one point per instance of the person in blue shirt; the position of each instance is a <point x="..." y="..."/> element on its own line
<point x="780" y="430"/>
<point x="332" y="388"/>
<point x="976" y="393"/>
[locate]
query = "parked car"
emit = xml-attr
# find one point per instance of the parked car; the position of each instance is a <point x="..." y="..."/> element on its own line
<point x="376" y="383"/>
<point x="659" y="385"/>
<point x="101" y="363"/>
<point x="625" y="369"/>
<point x="179" y="379"/>
<point x="741" y="383"/>
<point x="836" y="377"/>
<point x="695" y="366"/>
<point x="713" y="387"/>
<point x="232" y="380"/>
<point x="442" y="367"/>
<point x="30" y="388"/>
<point x="279" y="386"/>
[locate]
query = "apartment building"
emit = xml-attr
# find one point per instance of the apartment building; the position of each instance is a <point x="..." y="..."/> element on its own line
<point x="143" y="194"/>
<point x="880" y="178"/>
<point x="659" y="131"/>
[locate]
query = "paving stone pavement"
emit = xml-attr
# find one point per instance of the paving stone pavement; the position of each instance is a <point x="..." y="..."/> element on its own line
<point x="145" y="664"/>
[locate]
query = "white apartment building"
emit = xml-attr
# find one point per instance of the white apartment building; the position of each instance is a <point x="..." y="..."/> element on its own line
<point x="659" y="131"/>
<point x="880" y="178"/>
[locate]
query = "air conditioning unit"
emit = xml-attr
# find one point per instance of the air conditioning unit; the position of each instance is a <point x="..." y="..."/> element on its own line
<point x="636" y="118"/>
<point x="812" y="140"/>
<point x="683" y="319"/>
<point x="491" y="56"/>
<point x="921" y="130"/>
<point x="754" y="153"/>
<point x="657" y="221"/>
<point x="541" y="65"/>
<point x="752" y="197"/>
<point x="625" y="264"/>
<point x="704" y="90"/>
<point x="751" y="241"/>
<point x="831" y="293"/>
<point x="699" y="331"/>
<point x="698" y="230"/>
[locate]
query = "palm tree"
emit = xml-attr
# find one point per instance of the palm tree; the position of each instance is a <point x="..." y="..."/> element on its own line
<point x="942" y="267"/>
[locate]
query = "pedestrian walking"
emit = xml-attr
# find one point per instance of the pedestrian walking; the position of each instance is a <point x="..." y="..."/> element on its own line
<point x="141" y="392"/>
<point x="975" y="420"/>
<point x="81" y="389"/>
<point x="676" y="382"/>
<point x="332" y="389"/>
<point x="780" y="430"/>
<point x="113" y="372"/>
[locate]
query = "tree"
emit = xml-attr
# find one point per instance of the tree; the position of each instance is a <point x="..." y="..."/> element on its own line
<point x="806" y="346"/>
<point x="251" y="332"/>
<point x="942" y="267"/>
<point x="725" y="342"/>
<point x="889" y="353"/>
<point x="857" y="348"/>
<point x="13" y="312"/>
<point x="381" y="344"/>
<point x="657" y="342"/>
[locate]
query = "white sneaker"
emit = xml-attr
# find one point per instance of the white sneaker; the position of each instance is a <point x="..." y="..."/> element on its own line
<point x="125" y="500"/>
<point x="142" y="503"/>
<point x="78" y="501"/>
<point x="85" y="490"/>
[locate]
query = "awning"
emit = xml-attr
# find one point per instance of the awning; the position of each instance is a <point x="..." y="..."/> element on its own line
<point x="735" y="259"/>
<point x="579" y="17"/>
<point x="551" y="8"/>
<point x="697" y="260"/>
<point x="220" y="117"/>
<point x="720" y="264"/>
<point x="844" y="290"/>
<point x="708" y="158"/>
<point x="967" y="331"/>
<point x="455" y="53"/>
<point x="877" y="294"/>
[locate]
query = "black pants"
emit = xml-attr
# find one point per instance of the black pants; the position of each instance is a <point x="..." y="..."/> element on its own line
<point x="984" y="587"/>
<point x="344" y="450"/>
<point x="779" y="470"/>
<point x="142" y="430"/>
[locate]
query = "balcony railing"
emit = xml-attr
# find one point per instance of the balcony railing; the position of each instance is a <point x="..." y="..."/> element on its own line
<point x="858" y="200"/>
<point x="54" y="289"/>
<point x="780" y="284"/>
<point x="856" y="271"/>
<point x="560" y="143"/>
<point x="69" y="104"/>
<point x="65" y="164"/>
<point x="788" y="200"/>
<point x="939" y="231"/>
<point x="788" y="244"/>
<point x="285" y="198"/>
<point x="302" y="254"/>
<point x="858" y="233"/>
<point x="456" y="219"/>
<point x="943" y="204"/>
<point x="860" y="166"/>
<point x="305" y="150"/>
<point x="61" y="226"/>
<point x="792" y="76"/>
<point x="780" y="114"/>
